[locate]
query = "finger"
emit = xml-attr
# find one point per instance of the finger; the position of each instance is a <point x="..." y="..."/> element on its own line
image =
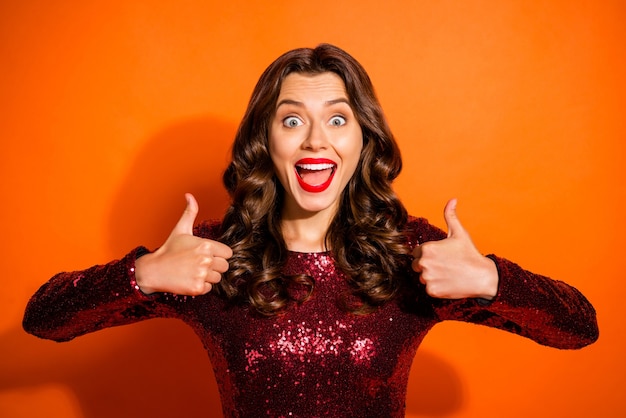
<point x="220" y="264"/>
<point x="221" y="250"/>
<point x="207" y="288"/>
<point x="186" y="221"/>
<point x="213" y="277"/>
<point x="415" y="265"/>
<point x="417" y="252"/>
<point x="452" y="220"/>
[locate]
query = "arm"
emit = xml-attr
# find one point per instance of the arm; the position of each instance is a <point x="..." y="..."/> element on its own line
<point x="465" y="285"/>
<point x="72" y="304"/>
<point x="547" y="311"/>
<point x="75" y="303"/>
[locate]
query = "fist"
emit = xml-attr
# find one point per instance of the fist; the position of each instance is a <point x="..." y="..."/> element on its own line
<point x="184" y="264"/>
<point x="453" y="268"/>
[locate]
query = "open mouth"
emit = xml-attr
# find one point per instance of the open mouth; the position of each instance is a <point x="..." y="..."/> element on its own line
<point x="315" y="175"/>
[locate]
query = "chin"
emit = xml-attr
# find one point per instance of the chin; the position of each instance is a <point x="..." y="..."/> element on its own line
<point x="317" y="203"/>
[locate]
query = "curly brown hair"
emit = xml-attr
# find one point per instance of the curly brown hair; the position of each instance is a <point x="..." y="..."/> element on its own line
<point x="365" y="236"/>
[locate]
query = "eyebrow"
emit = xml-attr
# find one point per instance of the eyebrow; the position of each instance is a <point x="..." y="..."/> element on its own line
<point x="300" y="104"/>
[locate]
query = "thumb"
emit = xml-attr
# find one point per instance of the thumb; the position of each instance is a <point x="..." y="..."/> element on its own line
<point x="186" y="221"/>
<point x="452" y="220"/>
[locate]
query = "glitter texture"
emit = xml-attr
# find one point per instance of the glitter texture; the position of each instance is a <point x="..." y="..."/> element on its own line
<point x="315" y="359"/>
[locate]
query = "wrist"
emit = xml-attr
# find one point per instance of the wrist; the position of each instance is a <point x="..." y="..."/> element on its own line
<point x="491" y="280"/>
<point x="142" y="268"/>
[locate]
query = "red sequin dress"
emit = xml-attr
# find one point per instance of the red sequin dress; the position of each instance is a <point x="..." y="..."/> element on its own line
<point x="315" y="359"/>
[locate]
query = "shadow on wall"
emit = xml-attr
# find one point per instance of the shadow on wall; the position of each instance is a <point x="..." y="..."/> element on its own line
<point x="435" y="389"/>
<point x="187" y="157"/>
<point x="158" y="367"/>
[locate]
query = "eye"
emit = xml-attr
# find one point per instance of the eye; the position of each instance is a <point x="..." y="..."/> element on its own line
<point x="338" y="121"/>
<point x="292" y="122"/>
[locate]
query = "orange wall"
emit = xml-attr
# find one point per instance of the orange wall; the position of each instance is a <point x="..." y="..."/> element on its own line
<point x="111" y="110"/>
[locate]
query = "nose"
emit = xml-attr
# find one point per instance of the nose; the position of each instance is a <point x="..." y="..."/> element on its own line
<point x="316" y="138"/>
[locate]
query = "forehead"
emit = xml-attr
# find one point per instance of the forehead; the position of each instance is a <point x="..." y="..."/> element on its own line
<point x="299" y="86"/>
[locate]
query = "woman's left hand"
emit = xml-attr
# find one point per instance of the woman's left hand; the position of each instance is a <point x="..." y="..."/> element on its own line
<point x="453" y="268"/>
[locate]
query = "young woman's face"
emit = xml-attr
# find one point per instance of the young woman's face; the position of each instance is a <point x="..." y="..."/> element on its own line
<point x="315" y="141"/>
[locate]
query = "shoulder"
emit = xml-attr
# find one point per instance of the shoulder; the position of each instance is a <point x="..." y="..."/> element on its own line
<point x="419" y="230"/>
<point x="210" y="229"/>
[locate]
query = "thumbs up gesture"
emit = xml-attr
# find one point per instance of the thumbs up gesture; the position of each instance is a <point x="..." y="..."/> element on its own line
<point x="453" y="268"/>
<point x="184" y="264"/>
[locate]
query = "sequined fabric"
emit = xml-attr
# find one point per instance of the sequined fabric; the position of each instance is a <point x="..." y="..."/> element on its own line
<point x="314" y="360"/>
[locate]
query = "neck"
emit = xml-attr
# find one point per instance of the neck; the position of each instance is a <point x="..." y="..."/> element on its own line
<point x="305" y="232"/>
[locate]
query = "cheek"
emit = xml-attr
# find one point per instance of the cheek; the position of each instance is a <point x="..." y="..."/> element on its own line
<point x="275" y="152"/>
<point x="279" y="148"/>
<point x="354" y="163"/>
<point x="280" y="161"/>
<point x="279" y="164"/>
<point x="355" y="153"/>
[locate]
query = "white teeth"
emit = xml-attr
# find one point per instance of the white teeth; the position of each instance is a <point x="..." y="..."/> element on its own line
<point x="315" y="167"/>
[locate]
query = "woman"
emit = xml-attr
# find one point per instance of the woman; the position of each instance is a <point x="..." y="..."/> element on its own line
<point x="314" y="292"/>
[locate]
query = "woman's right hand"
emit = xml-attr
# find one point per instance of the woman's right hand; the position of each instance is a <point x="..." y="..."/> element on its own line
<point x="184" y="264"/>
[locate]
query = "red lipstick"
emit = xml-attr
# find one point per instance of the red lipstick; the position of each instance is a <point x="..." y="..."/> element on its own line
<point x="312" y="165"/>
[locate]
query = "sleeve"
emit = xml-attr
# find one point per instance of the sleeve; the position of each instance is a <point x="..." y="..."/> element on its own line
<point x="547" y="311"/>
<point x="71" y="304"/>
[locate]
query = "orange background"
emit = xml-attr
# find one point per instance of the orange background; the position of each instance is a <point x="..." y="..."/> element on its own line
<point x="111" y="110"/>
